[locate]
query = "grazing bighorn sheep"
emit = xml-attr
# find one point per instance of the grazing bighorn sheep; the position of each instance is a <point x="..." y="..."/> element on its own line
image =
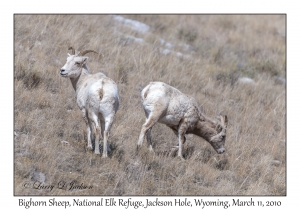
<point x="96" y="95"/>
<point x="165" y="104"/>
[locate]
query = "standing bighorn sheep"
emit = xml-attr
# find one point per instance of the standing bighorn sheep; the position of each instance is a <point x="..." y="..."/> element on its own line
<point x="96" y="95"/>
<point x="165" y="104"/>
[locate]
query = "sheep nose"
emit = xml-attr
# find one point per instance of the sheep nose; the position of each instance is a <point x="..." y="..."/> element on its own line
<point x="221" y="151"/>
<point x="62" y="70"/>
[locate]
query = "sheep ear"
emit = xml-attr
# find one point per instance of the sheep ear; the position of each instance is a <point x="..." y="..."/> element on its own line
<point x="84" y="60"/>
<point x="69" y="55"/>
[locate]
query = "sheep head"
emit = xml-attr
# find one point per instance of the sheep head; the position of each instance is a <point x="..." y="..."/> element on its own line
<point x="74" y="63"/>
<point x="218" y="141"/>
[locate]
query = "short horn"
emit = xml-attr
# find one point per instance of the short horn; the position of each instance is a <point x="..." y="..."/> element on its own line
<point x="222" y="126"/>
<point x="86" y="51"/>
<point x="217" y="136"/>
<point x="73" y="50"/>
<point x="225" y="121"/>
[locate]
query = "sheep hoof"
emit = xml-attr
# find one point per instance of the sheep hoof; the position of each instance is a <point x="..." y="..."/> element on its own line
<point x="180" y="158"/>
<point x="150" y="148"/>
<point x="138" y="148"/>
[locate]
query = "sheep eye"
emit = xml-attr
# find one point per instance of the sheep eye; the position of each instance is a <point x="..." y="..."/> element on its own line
<point x="77" y="63"/>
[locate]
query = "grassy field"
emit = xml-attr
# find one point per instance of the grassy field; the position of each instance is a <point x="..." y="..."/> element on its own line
<point x="231" y="64"/>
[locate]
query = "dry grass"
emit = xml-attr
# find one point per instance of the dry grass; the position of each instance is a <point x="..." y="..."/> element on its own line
<point x="217" y="50"/>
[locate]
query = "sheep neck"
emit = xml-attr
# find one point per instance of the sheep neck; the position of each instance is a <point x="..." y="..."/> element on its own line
<point x="205" y="129"/>
<point x="78" y="80"/>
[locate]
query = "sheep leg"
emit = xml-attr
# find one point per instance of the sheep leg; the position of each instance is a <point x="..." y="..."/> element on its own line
<point x="149" y="139"/>
<point x="148" y="124"/>
<point x="108" y="124"/>
<point x="93" y="117"/>
<point x="88" y="128"/>
<point x="176" y="133"/>
<point x="89" y="134"/>
<point x="102" y="122"/>
<point x="182" y="128"/>
<point x="175" y="149"/>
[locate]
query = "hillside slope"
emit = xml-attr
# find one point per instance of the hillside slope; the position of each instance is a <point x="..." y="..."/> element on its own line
<point x="231" y="64"/>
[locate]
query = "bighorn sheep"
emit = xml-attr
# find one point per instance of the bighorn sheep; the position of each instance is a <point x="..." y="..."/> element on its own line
<point x="96" y="95"/>
<point x="167" y="105"/>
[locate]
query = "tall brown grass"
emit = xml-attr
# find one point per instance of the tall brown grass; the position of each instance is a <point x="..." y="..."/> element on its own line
<point x="221" y="48"/>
